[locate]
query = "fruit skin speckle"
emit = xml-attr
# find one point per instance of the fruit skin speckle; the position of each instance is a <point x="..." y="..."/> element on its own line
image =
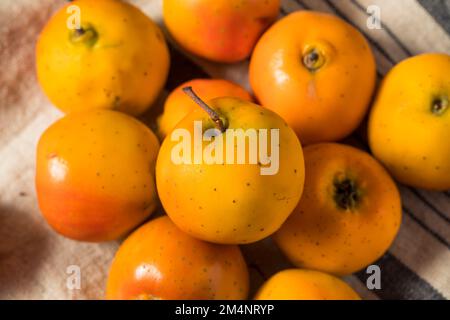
<point x="409" y="123"/>
<point x="158" y="261"/>
<point x="118" y="61"/>
<point x="228" y="204"/>
<point x="348" y="216"/>
<point x="92" y="182"/>
<point x="319" y="81"/>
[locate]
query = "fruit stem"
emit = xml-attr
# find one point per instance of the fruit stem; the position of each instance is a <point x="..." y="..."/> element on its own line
<point x="215" y="117"/>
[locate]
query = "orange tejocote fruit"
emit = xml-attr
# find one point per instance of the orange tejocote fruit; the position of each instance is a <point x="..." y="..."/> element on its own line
<point x="409" y="124"/>
<point x="219" y="30"/>
<point x="349" y="213"/>
<point x="317" y="72"/>
<point x="95" y="174"/>
<point x="298" y="284"/>
<point x="231" y="173"/>
<point x="178" y="104"/>
<point x="159" y="261"/>
<point x="117" y="57"/>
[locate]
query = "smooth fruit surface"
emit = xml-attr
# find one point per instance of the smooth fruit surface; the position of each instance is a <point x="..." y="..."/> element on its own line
<point x="118" y="61"/>
<point x="158" y="261"/>
<point x="178" y="104"/>
<point x="409" y="125"/>
<point x="219" y="30"/>
<point x="230" y="202"/>
<point x="298" y="284"/>
<point x="317" y="72"/>
<point x="95" y="174"/>
<point x="349" y="213"/>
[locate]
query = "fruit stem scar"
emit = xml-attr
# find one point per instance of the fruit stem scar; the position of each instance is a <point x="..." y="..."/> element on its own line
<point x="84" y="35"/>
<point x="215" y="117"/>
<point x="439" y="105"/>
<point x="79" y="32"/>
<point x="313" y="59"/>
<point x="346" y="193"/>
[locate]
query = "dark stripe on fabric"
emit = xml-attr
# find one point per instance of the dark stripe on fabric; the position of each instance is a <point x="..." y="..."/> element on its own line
<point x="424" y="226"/>
<point x="411" y="286"/>
<point x="421" y="197"/>
<point x="305" y="7"/>
<point x="386" y="28"/>
<point x="430" y="205"/>
<point x="439" y="10"/>
<point x="398" y="282"/>
<point x="372" y="41"/>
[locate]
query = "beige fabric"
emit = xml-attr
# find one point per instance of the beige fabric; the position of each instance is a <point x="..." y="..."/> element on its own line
<point x="34" y="259"/>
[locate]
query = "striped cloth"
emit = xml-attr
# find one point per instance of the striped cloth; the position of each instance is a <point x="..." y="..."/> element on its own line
<point x="34" y="261"/>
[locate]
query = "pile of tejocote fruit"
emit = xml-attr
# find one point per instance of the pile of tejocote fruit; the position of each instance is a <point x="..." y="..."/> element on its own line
<point x="331" y="208"/>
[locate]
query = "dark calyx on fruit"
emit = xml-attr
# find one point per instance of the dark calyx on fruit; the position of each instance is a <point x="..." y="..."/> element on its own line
<point x="346" y="193"/>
